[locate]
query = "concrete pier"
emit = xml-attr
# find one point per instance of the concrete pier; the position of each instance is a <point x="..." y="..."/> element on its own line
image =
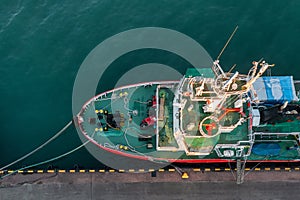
<point x="166" y="185"/>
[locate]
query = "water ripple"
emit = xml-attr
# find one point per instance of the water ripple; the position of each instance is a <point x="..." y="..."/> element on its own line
<point x="12" y="17"/>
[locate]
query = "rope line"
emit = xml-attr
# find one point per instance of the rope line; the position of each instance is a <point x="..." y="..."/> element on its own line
<point x="38" y="148"/>
<point x="256" y="166"/>
<point x="47" y="161"/>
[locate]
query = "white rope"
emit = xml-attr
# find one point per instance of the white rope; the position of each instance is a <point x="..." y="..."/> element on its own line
<point x="47" y="161"/>
<point x="231" y="170"/>
<point x="142" y="102"/>
<point x="256" y="166"/>
<point x="38" y="148"/>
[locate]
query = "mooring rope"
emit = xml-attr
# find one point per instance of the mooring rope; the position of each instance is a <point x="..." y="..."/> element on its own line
<point x="47" y="161"/>
<point x="38" y="148"/>
<point x="266" y="157"/>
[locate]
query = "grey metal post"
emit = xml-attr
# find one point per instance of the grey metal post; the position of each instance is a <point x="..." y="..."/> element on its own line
<point x="239" y="172"/>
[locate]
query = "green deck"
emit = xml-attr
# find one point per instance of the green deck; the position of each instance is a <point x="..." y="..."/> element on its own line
<point x="132" y="105"/>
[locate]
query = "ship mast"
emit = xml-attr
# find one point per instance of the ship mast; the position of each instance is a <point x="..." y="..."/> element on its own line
<point x="217" y="69"/>
<point x="226" y="44"/>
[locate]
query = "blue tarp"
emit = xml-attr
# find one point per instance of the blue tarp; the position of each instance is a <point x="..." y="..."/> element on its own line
<point x="275" y="89"/>
<point x="266" y="149"/>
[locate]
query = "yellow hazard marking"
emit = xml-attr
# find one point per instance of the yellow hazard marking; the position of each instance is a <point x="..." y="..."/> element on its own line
<point x="185" y="175"/>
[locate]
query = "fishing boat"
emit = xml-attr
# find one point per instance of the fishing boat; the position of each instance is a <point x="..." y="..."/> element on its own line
<point x="209" y="116"/>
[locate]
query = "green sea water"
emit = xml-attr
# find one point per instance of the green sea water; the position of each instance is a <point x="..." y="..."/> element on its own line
<point x="43" y="43"/>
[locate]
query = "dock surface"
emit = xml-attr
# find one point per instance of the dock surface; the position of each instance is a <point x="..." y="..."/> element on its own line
<point x="166" y="185"/>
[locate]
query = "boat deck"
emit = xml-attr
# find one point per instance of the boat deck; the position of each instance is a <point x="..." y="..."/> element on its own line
<point x="113" y="120"/>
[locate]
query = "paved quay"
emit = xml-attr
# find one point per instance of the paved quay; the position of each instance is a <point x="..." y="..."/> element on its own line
<point x="166" y="185"/>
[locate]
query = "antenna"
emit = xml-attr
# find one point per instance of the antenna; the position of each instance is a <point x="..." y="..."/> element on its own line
<point x="232" y="68"/>
<point x="232" y="34"/>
